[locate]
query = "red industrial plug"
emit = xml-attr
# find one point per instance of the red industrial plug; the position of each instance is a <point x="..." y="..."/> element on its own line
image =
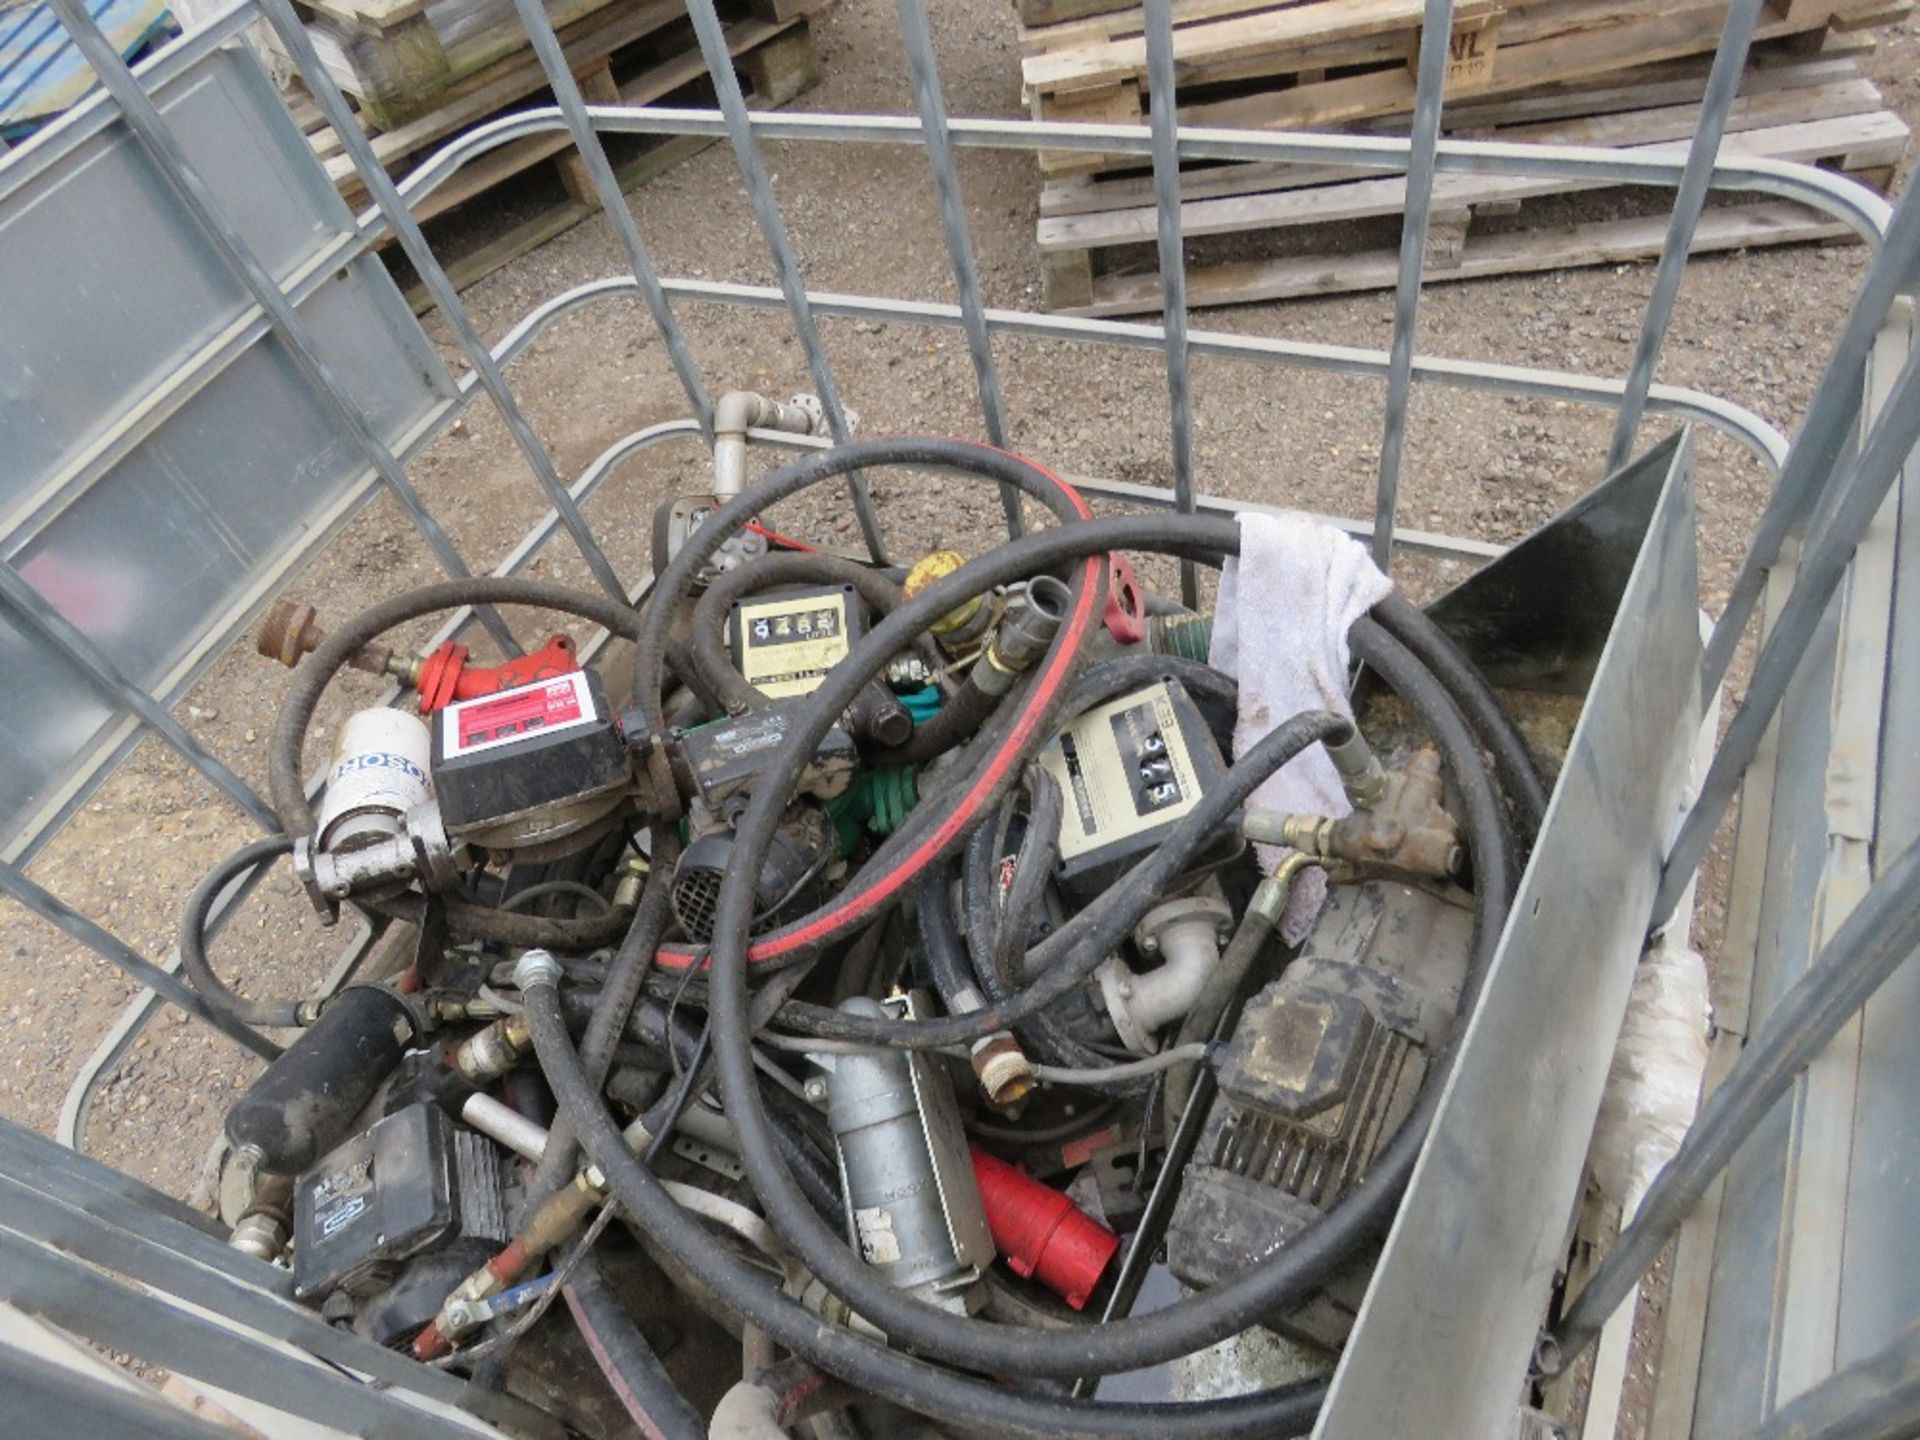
<point x="1040" y="1232"/>
<point x="445" y="676"/>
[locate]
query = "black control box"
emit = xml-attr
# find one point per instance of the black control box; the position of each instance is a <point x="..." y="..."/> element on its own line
<point x="726" y="758"/>
<point x="534" y="746"/>
<point x="404" y="1186"/>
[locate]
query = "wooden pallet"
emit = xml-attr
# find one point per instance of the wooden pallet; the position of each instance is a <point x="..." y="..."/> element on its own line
<point x="1096" y="232"/>
<point x="631" y="54"/>
<point x="1320" y="63"/>
<point x="402" y="59"/>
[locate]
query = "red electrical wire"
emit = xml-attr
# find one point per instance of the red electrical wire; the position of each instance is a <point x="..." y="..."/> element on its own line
<point x="850" y="907"/>
<point x="774" y="537"/>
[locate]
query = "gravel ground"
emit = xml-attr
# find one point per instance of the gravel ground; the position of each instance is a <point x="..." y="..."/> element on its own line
<point x="1753" y="327"/>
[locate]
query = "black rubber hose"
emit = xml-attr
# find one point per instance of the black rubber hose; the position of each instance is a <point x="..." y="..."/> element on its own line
<point x="1291" y="1273"/>
<point x="1512" y="759"/>
<point x="799" y="1129"/>
<point x="707" y="652"/>
<point x="310" y="680"/>
<point x="626" y="974"/>
<point x="638" y="1379"/>
<point x="996" y="932"/>
<point x="1070" y="954"/>
<point x="1022" y="725"/>
<point x="924" y="1388"/>
<point x="468" y="919"/>
<point x="958" y="720"/>
<point x="941" y="946"/>
<point x="193" y="940"/>
<point x="676" y="578"/>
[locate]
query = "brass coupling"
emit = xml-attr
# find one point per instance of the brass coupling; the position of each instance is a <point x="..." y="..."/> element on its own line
<point x="490" y="1052"/>
<point x="1408" y="832"/>
<point x="1002" y="1068"/>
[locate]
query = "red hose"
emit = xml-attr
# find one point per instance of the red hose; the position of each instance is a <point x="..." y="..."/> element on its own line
<point x="850" y="906"/>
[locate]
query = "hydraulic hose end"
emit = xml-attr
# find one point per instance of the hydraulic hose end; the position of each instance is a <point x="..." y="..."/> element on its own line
<point x="1025" y="632"/>
<point x="1362" y="775"/>
<point x="1004" y="1072"/>
<point x="536" y="967"/>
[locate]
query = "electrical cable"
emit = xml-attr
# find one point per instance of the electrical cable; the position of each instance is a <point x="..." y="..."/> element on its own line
<point x="525" y="896"/>
<point x="1128" y="1070"/>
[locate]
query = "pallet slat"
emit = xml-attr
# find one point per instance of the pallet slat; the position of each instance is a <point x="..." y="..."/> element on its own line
<point x="625" y="55"/>
<point x="1615" y="73"/>
<point x="1608" y="242"/>
<point x="1852" y="124"/>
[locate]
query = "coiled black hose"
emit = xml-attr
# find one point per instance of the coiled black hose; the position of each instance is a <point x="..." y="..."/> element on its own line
<point x="626" y="974"/>
<point x="1290" y="1274"/>
<point x="922" y="1387"/>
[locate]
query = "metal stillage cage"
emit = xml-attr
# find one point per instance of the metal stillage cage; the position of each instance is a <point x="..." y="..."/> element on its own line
<point x="263" y="298"/>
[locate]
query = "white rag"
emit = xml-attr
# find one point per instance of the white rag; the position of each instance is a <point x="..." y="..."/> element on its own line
<point x="1280" y="628"/>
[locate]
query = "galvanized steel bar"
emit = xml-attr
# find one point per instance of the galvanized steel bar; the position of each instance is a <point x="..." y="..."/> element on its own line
<point x="1833" y="411"/>
<point x="56" y="631"/>
<point x="51" y="1402"/>
<point x="1860" y="487"/>
<point x="566" y="90"/>
<point x="1848" y="201"/>
<point x="1723" y="83"/>
<point x="766" y="211"/>
<point x="64" y="1290"/>
<point x="326" y="93"/>
<point x="108" y="946"/>
<point x="930" y="101"/>
<point x="1877" y="1398"/>
<point x="1164" y="117"/>
<point x="1880" y="934"/>
<point x="150" y="127"/>
<point x="1765" y="442"/>
<point x="1429" y="92"/>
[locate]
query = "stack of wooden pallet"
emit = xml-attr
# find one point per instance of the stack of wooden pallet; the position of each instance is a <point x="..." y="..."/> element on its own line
<point x="1626" y="73"/>
<point x="477" y="67"/>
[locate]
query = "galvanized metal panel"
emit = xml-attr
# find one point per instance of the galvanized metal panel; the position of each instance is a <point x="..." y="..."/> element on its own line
<point x="1444" y="1337"/>
<point x="1878" y="1301"/>
<point x="145" y="511"/>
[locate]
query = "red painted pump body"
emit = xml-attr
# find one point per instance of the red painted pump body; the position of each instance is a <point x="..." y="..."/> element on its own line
<point x="446" y="677"/>
<point x="1040" y="1232"/>
<point x="1126" y="613"/>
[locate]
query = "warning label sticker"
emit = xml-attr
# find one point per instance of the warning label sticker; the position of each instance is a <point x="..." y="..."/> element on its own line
<point x="491" y="720"/>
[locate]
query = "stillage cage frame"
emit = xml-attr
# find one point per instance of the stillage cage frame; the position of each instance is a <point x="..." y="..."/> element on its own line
<point x="1828" y="544"/>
